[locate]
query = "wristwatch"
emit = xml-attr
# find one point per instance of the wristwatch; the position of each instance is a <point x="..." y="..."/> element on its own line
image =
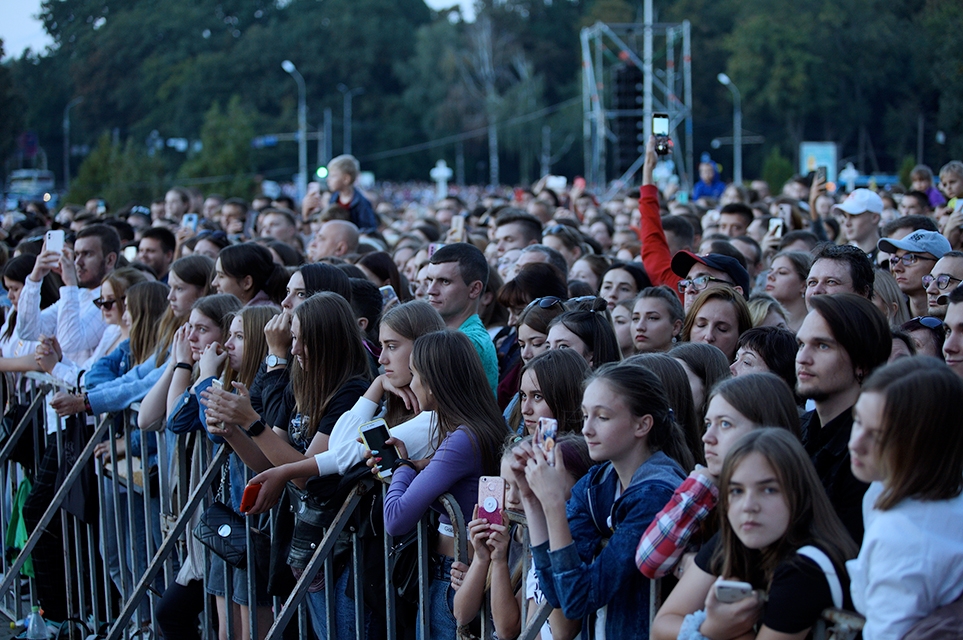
<point x="274" y="361"/>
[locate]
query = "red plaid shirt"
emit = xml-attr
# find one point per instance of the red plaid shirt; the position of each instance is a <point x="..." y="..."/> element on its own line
<point x="666" y="538"/>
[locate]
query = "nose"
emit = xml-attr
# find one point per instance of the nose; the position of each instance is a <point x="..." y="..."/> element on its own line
<point x="709" y="437"/>
<point x="527" y="407"/>
<point x="527" y="352"/>
<point x="383" y="358"/>
<point x="710" y="337"/>
<point x="732" y="370"/>
<point x="932" y="288"/>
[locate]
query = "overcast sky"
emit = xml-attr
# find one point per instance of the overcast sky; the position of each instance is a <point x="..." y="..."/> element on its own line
<point x="19" y="27"/>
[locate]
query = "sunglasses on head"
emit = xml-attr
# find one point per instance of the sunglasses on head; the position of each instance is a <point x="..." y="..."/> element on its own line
<point x="927" y="321"/>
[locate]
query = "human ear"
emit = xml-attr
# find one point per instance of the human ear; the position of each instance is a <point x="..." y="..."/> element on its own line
<point x="643" y="426"/>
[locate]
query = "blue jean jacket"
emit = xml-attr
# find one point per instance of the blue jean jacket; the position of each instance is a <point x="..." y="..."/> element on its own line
<point x="598" y="568"/>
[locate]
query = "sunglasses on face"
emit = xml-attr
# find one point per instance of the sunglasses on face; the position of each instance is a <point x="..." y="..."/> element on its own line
<point x="100" y="303"/>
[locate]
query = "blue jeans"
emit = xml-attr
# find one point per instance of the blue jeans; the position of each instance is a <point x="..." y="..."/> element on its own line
<point x="343" y="612"/>
<point x="441" y="601"/>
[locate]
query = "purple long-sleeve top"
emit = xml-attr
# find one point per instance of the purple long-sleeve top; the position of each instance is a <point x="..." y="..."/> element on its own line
<point x="455" y="469"/>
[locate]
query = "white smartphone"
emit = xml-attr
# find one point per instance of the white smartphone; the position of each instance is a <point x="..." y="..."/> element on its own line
<point x="776" y="227"/>
<point x="55" y="240"/>
<point x="457" y="228"/>
<point x="730" y="591"/>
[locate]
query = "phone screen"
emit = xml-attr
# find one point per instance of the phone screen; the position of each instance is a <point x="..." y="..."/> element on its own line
<point x="375" y="435"/>
<point x="660" y="124"/>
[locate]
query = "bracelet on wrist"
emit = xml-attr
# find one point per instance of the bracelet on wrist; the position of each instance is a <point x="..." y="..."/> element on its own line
<point x="403" y="462"/>
<point x="184" y="365"/>
<point x="87" y="407"/>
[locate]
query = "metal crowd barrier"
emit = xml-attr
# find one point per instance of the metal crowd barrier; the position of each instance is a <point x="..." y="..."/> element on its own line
<point x="157" y="500"/>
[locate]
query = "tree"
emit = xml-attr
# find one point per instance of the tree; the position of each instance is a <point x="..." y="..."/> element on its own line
<point x="224" y="162"/>
<point x="11" y="105"/>
<point x="121" y="174"/>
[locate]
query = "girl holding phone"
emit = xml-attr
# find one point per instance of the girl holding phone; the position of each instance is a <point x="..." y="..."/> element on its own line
<point x="583" y="548"/>
<point x="447" y="378"/>
<point x="779" y="534"/>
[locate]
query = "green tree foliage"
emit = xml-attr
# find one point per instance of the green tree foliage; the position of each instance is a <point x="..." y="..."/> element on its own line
<point x="11" y="105"/>
<point x="223" y="164"/>
<point x="777" y="169"/>
<point x="119" y="173"/>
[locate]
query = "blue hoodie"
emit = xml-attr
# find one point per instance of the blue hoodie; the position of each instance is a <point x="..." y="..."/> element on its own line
<point x="598" y="568"/>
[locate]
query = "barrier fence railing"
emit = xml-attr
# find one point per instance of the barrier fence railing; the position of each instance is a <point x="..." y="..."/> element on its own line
<point x="116" y="565"/>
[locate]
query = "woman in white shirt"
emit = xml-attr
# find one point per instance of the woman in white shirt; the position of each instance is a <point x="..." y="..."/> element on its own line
<point x="907" y="439"/>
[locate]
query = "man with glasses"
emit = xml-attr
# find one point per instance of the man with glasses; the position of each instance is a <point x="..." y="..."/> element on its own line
<point x="946" y="275"/>
<point x="912" y="258"/>
<point x="699" y="273"/>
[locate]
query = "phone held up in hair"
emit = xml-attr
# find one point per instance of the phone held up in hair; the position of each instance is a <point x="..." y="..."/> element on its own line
<point x="55" y="240"/>
<point x="189" y="221"/>
<point x="660" y="129"/>
<point x="457" y="233"/>
<point x="491" y="499"/>
<point x="730" y="591"/>
<point x="545" y="436"/>
<point x="374" y="434"/>
<point x="387" y="295"/>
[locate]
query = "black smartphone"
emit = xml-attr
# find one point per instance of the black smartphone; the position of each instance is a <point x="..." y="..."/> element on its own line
<point x="374" y="434"/>
<point x="660" y="129"/>
<point x="821" y="174"/>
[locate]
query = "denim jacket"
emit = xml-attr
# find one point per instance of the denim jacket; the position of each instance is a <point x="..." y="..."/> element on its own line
<point x="598" y="568"/>
<point x="118" y="394"/>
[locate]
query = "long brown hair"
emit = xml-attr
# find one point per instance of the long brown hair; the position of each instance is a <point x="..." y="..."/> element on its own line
<point x="193" y="270"/>
<point x="763" y="398"/>
<point x="451" y="370"/>
<point x="333" y="355"/>
<point x="410" y="320"/>
<point x="253" y="320"/>
<point x="560" y="373"/>
<point x="921" y="442"/>
<point x="812" y="519"/>
<point x="146" y="302"/>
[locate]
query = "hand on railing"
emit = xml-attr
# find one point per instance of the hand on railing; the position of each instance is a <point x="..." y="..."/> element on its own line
<point x="458" y="572"/>
<point x="102" y="450"/>
<point x="68" y="404"/>
<point x="48" y="353"/>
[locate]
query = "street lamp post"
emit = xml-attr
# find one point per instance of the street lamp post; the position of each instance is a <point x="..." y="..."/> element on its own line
<point x="348" y="95"/>
<point x="70" y="104"/>
<point x="736" y="127"/>
<point x="289" y="67"/>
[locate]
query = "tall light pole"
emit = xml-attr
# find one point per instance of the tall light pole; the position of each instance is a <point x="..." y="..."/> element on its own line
<point x="348" y="95"/>
<point x="736" y="128"/>
<point x="289" y="67"/>
<point x="70" y="104"/>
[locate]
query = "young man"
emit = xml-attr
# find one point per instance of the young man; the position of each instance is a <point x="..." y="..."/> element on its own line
<point x="946" y="275"/>
<point x="734" y="219"/>
<point x="708" y="271"/>
<point x="843" y="338"/>
<point x="953" y="345"/>
<point x="343" y="172"/>
<point x="840" y="269"/>
<point x="280" y="224"/>
<point x="515" y="229"/>
<point x="912" y="258"/>
<point x="861" y="212"/>
<point x="156" y="250"/>
<point x="456" y="278"/>
<point x="78" y="326"/>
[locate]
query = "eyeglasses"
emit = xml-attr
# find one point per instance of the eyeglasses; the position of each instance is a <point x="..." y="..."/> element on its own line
<point x="927" y="321"/>
<point x="942" y="281"/>
<point x="908" y="259"/>
<point x="543" y="303"/>
<point x="699" y="283"/>
<point x="100" y="303"/>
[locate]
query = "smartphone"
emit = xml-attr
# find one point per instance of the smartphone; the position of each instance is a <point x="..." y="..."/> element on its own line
<point x="660" y="129"/>
<point x="730" y="591"/>
<point x="556" y="183"/>
<point x="434" y="246"/>
<point x="249" y="497"/>
<point x="775" y="227"/>
<point x="821" y="174"/>
<point x="101" y="207"/>
<point x="55" y="240"/>
<point x="491" y="499"/>
<point x="545" y="436"/>
<point x="130" y="253"/>
<point x="374" y="434"/>
<point x="457" y="228"/>
<point x="189" y="221"/>
<point x="387" y="294"/>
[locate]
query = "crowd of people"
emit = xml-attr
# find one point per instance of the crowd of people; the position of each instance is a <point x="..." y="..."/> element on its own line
<point x="752" y="392"/>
